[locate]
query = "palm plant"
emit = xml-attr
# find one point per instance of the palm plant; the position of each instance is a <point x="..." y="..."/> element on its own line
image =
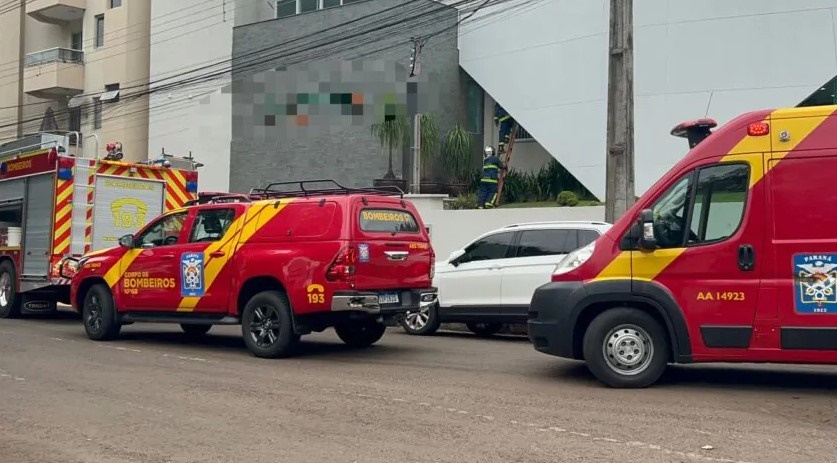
<point x="429" y="133"/>
<point x="390" y="133"/>
<point x="458" y="152"/>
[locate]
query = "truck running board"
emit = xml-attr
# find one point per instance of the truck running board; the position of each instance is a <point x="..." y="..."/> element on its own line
<point x="185" y="318"/>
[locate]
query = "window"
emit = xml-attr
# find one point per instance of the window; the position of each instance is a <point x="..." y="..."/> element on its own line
<point x="306" y="6"/>
<point x="547" y="242"/>
<point x="115" y="3"/>
<point x="111" y="93"/>
<point x="211" y="225"/>
<point x="330" y="3"/>
<point x="713" y="211"/>
<point x="823" y="96"/>
<point x="74" y="123"/>
<point x="164" y="232"/>
<point x="100" y="30"/>
<point x="586" y="237"/>
<point x="76" y="42"/>
<point x="522" y="134"/>
<point x="488" y="248"/>
<point x="285" y="8"/>
<point x="719" y="202"/>
<point x="97" y="113"/>
<point x="476" y="107"/>
<point x="388" y="220"/>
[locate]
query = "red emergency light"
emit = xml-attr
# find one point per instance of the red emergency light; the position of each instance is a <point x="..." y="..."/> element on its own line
<point x="695" y="131"/>
<point x="758" y="129"/>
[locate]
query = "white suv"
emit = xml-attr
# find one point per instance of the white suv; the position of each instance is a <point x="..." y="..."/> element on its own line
<point x="490" y="282"/>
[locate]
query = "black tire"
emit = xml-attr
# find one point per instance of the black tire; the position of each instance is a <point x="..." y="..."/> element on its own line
<point x="645" y="344"/>
<point x="99" y="314"/>
<point x="484" y="329"/>
<point x="412" y="322"/>
<point x="267" y="325"/>
<point x="360" y="333"/>
<point x="9" y="299"/>
<point x="195" y="330"/>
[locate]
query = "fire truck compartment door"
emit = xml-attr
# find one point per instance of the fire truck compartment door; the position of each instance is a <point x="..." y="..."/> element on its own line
<point x="12" y="189"/>
<point x="123" y="205"/>
<point x="37" y="230"/>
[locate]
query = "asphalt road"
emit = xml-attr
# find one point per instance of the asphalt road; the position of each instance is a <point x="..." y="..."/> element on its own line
<point x="155" y="396"/>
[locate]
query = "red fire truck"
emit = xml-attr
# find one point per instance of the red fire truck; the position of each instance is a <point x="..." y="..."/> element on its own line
<point x="54" y="205"/>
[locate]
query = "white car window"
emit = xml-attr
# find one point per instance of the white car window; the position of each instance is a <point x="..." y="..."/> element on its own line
<point x="547" y="242"/>
<point x="488" y="248"/>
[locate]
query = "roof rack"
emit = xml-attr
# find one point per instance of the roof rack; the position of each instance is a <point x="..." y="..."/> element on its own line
<point x="214" y="198"/>
<point x="558" y="222"/>
<point x="304" y="189"/>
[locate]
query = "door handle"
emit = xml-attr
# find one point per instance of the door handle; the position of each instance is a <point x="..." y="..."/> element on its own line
<point x="746" y="257"/>
<point x="217" y="254"/>
<point x="166" y="256"/>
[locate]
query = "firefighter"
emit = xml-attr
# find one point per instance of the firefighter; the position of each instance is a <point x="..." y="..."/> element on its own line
<point x="491" y="166"/>
<point x="505" y="121"/>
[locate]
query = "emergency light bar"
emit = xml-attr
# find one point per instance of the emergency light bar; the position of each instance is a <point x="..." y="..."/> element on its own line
<point x="695" y="131"/>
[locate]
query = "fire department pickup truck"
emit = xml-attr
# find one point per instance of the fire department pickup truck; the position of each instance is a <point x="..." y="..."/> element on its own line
<point x="730" y="257"/>
<point x="279" y="263"/>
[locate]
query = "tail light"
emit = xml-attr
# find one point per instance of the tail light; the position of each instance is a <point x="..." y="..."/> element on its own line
<point x="343" y="266"/>
<point x="432" y="264"/>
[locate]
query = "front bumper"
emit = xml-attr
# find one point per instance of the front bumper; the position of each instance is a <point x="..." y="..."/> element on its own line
<point x="368" y="301"/>
<point x="551" y="325"/>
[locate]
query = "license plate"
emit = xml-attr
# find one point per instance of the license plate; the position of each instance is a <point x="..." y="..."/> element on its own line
<point x="388" y="298"/>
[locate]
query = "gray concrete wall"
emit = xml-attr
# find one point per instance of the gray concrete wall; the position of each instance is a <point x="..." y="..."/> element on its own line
<point x="268" y="144"/>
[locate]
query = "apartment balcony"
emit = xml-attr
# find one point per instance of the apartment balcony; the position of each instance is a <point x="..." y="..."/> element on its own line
<point x="56" y="11"/>
<point x="54" y="73"/>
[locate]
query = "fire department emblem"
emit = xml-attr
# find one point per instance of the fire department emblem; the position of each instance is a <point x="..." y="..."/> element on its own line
<point x="191" y="274"/>
<point x="363" y="251"/>
<point x="815" y="283"/>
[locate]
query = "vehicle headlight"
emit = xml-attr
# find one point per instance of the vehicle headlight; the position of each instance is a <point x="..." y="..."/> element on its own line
<point x="574" y="259"/>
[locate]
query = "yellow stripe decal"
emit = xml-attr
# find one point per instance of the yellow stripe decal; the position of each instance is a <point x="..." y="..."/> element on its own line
<point x="241" y="230"/>
<point x="646" y="265"/>
<point x="114" y="274"/>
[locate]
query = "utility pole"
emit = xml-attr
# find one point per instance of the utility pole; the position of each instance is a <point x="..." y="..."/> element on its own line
<point x="415" y="118"/>
<point x="620" y="193"/>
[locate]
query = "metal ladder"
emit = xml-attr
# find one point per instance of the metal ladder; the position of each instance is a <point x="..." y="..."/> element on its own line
<point x="509" y="147"/>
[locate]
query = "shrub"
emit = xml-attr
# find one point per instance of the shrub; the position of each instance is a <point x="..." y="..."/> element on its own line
<point x="567" y="198"/>
<point x="466" y="201"/>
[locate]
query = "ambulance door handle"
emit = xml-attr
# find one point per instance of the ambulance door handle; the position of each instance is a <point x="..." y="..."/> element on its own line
<point x="746" y="257"/>
<point x="217" y="254"/>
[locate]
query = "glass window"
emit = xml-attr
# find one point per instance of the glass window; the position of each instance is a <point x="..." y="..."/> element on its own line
<point x="670" y="214"/>
<point x="488" y="248"/>
<point x="547" y="242"/>
<point x="388" y="220"/>
<point x="115" y="3"/>
<point x="97" y="113"/>
<point x="330" y="3"/>
<point x="823" y="96"/>
<point x="211" y="225"/>
<point x="308" y="5"/>
<point x="76" y="42"/>
<point x="586" y="237"/>
<point x="100" y="30"/>
<point x="285" y="8"/>
<point x="164" y="232"/>
<point x="720" y="197"/>
<point x="476" y="107"/>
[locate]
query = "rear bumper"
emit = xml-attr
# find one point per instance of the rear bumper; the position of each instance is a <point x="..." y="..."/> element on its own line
<point x="367" y="301"/>
<point x="550" y="326"/>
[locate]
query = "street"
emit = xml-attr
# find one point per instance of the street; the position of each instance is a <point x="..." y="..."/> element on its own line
<point x="156" y="396"/>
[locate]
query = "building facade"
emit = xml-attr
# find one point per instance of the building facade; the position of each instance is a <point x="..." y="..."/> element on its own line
<point x="72" y="65"/>
<point x="307" y="108"/>
<point x="714" y="58"/>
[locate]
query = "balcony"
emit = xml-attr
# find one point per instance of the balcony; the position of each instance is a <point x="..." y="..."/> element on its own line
<point x="54" y="73"/>
<point x="56" y="11"/>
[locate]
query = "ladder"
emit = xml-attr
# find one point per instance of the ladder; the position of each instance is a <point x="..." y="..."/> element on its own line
<point x="508" y="153"/>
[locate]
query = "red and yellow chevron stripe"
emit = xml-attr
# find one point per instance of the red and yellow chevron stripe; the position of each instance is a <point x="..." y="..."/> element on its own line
<point x="176" y="194"/>
<point x="63" y="216"/>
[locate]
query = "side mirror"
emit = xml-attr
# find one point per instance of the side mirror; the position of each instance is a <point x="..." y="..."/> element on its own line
<point x="126" y="241"/>
<point x="647" y="240"/>
<point x="452" y="259"/>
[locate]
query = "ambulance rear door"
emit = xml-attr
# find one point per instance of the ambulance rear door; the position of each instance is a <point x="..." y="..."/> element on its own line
<point x="123" y="205"/>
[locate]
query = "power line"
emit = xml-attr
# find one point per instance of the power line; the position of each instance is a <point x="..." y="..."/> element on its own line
<point x="261" y="60"/>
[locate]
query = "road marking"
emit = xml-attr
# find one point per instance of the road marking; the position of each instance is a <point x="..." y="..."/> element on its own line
<point x="6" y="375"/>
<point x="556" y="429"/>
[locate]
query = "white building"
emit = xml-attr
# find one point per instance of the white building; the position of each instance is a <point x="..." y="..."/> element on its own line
<point x="546" y="63"/>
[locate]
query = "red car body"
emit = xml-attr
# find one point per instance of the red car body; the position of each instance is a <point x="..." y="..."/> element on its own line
<point x="335" y="259"/>
<point x="747" y="273"/>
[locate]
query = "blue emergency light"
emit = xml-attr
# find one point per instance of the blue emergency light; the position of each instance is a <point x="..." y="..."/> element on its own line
<point x="65" y="173"/>
<point x="3" y="168"/>
<point x="191" y="186"/>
